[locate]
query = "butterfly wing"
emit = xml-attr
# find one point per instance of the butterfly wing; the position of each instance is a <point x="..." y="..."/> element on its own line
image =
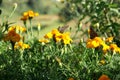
<point x="63" y="28"/>
<point x="93" y="34"/>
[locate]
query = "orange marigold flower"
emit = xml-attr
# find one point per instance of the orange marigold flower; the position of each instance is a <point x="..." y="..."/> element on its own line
<point x="29" y="15"/>
<point x="114" y="47"/>
<point x="17" y="28"/>
<point x="94" y="43"/>
<point x="104" y="77"/>
<point x="24" y="18"/>
<point x="98" y="39"/>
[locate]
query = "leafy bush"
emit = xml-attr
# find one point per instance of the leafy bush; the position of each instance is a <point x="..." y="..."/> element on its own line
<point x="58" y="56"/>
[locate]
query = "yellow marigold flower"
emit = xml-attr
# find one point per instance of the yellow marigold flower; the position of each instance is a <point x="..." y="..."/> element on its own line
<point x="58" y="37"/>
<point x="29" y="15"/>
<point x="55" y="31"/>
<point x="114" y="47"/>
<point x="66" y="38"/>
<point x="12" y="28"/>
<point x="105" y="48"/>
<point x="71" y="79"/>
<point x="102" y="62"/>
<point x="32" y="14"/>
<point x="104" y="77"/>
<point x="109" y="39"/>
<point x="48" y="35"/>
<point x="98" y="39"/>
<point x="25" y="46"/>
<point x="25" y="14"/>
<point x="94" y="43"/>
<point x="17" y="28"/>
<point x="22" y="29"/>
<point x="12" y="36"/>
<point x="21" y="45"/>
<point x="89" y="43"/>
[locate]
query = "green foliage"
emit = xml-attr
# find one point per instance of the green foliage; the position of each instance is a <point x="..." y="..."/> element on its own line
<point x="57" y="61"/>
<point x="49" y="62"/>
<point x="105" y="13"/>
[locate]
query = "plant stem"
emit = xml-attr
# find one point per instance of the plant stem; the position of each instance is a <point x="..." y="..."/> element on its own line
<point x="25" y="24"/>
<point x="31" y="27"/>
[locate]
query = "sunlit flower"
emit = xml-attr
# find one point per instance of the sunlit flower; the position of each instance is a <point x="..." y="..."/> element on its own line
<point x="17" y="28"/>
<point x="59" y="37"/>
<point x="25" y="16"/>
<point x="12" y="36"/>
<point x="105" y="47"/>
<point x="104" y="77"/>
<point x="21" y="45"/>
<point x="115" y="48"/>
<point x="29" y="15"/>
<point x="94" y="43"/>
<point x="91" y="44"/>
<point x="48" y="35"/>
<point x="55" y="31"/>
<point x="109" y="39"/>
<point x="66" y="38"/>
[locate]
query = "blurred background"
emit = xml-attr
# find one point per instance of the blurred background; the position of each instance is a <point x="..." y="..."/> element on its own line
<point x="49" y="11"/>
<point x="55" y="13"/>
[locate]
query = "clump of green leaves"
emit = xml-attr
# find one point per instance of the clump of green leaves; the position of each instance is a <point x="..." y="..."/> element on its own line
<point x="103" y="15"/>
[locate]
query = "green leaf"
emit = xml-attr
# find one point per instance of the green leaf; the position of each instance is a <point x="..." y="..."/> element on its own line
<point x="113" y="5"/>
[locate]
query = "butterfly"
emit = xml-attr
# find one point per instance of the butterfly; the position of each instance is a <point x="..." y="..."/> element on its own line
<point x="63" y="28"/>
<point x="93" y="34"/>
